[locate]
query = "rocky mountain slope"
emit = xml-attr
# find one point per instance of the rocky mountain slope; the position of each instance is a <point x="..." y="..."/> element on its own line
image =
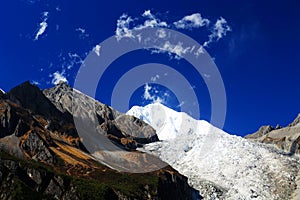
<point x="219" y="165"/>
<point x="282" y="138"/>
<point x="43" y="157"/>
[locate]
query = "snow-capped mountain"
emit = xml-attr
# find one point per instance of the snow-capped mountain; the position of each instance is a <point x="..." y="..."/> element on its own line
<point x="167" y="122"/>
<point x="219" y="165"/>
<point x="2" y="91"/>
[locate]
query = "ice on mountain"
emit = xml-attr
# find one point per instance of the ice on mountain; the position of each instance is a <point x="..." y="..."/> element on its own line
<point x="202" y="152"/>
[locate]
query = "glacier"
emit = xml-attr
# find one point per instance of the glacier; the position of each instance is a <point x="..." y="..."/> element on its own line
<point x="218" y="164"/>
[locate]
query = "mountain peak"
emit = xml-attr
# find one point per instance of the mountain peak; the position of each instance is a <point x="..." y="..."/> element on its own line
<point x="296" y="121"/>
<point x="168" y="123"/>
<point x="283" y="138"/>
<point x="201" y="152"/>
<point x="31" y="97"/>
<point x="63" y="86"/>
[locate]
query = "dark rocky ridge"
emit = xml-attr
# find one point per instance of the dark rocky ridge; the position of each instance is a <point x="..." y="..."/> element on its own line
<point x="26" y="179"/>
<point x="100" y="115"/>
<point x="30" y="97"/>
<point x="286" y="139"/>
<point x="42" y="156"/>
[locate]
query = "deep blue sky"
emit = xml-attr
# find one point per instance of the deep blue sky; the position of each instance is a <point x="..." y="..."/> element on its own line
<point x="258" y="60"/>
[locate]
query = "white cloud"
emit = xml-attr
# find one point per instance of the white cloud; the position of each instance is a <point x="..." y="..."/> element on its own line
<point x="147" y="13"/>
<point x="124" y="29"/>
<point x="35" y="82"/>
<point x="199" y="51"/>
<point x="154" y="78"/>
<point x="178" y="49"/>
<point x="81" y="30"/>
<point x="74" y="59"/>
<point x="82" y="33"/>
<point x="161" y="33"/>
<point x="58" y="77"/>
<point x="42" y="26"/>
<point x="148" y="96"/>
<point x="147" y="89"/>
<point x="219" y="30"/>
<point x="123" y="24"/>
<point x="191" y="21"/>
<point x="68" y="61"/>
<point x="97" y="49"/>
<point x="152" y="21"/>
<point x="181" y="104"/>
<point x="206" y="76"/>
<point x="58" y="9"/>
<point x="32" y="1"/>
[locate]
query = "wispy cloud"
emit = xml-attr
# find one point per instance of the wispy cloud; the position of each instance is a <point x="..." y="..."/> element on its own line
<point x="154" y="78"/>
<point x="148" y="94"/>
<point x="127" y="27"/>
<point x="82" y="33"/>
<point x="206" y="75"/>
<point x="181" y="104"/>
<point x="42" y="25"/>
<point x="175" y="50"/>
<point x="31" y="1"/>
<point x="123" y="27"/>
<point x="35" y="82"/>
<point x="74" y="60"/>
<point x="219" y="30"/>
<point x="58" y="9"/>
<point x="151" y="21"/>
<point x="58" y="77"/>
<point x="191" y="21"/>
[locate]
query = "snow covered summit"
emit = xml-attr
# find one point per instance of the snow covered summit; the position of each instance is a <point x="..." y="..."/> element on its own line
<point x="219" y="165"/>
<point x="169" y="123"/>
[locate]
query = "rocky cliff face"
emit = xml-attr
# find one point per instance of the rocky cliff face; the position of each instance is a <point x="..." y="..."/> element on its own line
<point x="26" y="179"/>
<point x="112" y="122"/>
<point x="42" y="156"/>
<point x="286" y="139"/>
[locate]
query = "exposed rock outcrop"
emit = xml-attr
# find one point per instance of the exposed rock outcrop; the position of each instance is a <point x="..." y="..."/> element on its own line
<point x="296" y="121"/>
<point x="42" y="157"/>
<point x="286" y="139"/>
<point x="261" y="132"/>
<point x="88" y="111"/>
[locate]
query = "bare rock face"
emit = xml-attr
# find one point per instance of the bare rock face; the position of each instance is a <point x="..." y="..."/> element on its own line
<point x="261" y="132"/>
<point x="42" y="157"/>
<point x="2" y="93"/>
<point x="286" y="139"/>
<point x="100" y="116"/>
<point x="37" y="149"/>
<point x="8" y="119"/>
<point x="78" y="104"/>
<point x="31" y="97"/>
<point x="136" y="129"/>
<point x="296" y="121"/>
<point x="10" y="144"/>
